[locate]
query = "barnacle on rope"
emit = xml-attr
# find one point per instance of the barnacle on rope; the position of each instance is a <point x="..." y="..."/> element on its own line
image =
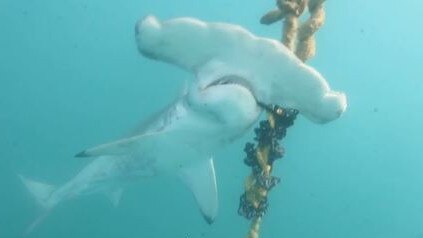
<point x="253" y="202"/>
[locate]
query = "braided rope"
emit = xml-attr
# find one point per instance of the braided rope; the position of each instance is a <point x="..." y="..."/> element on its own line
<point x="306" y="45"/>
<point x="301" y="39"/>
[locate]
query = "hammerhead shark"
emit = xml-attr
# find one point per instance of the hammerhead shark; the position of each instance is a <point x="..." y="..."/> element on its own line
<point x="180" y="139"/>
<point x="236" y="73"/>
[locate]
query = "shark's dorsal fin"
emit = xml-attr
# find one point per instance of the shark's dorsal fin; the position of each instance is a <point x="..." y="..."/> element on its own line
<point x="201" y="180"/>
<point x="115" y="195"/>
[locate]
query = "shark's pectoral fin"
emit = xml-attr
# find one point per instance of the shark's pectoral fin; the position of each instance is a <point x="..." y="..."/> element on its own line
<point x="124" y="146"/>
<point x="115" y="195"/>
<point x="201" y="180"/>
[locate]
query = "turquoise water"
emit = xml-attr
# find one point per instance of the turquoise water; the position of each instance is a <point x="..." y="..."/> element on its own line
<point x="71" y="77"/>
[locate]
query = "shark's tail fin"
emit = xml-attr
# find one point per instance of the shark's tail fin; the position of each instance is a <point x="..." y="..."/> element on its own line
<point x="41" y="192"/>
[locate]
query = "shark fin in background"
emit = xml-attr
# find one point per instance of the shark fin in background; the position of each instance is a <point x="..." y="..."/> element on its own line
<point x="201" y="180"/>
<point x="115" y="196"/>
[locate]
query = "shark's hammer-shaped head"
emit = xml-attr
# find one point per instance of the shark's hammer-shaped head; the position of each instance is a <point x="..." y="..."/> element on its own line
<point x="184" y="42"/>
<point x="219" y="53"/>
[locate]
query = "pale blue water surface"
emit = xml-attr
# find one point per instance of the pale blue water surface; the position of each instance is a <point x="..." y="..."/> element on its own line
<point x="71" y="77"/>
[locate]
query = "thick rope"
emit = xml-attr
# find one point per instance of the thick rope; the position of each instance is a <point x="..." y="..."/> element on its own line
<point x="306" y="45"/>
<point x="298" y="39"/>
<point x="253" y="203"/>
<point x="254" y="228"/>
<point x="294" y="9"/>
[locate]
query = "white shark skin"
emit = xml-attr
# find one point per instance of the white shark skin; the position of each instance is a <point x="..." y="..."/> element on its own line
<point x="180" y="140"/>
<point x="213" y="50"/>
<point x="105" y="174"/>
<point x="196" y="125"/>
<point x="185" y="136"/>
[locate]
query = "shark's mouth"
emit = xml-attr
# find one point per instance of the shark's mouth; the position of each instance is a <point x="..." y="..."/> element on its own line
<point x="232" y="80"/>
<point x="239" y="81"/>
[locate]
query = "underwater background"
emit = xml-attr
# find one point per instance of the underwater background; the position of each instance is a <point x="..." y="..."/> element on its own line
<point x="71" y="77"/>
